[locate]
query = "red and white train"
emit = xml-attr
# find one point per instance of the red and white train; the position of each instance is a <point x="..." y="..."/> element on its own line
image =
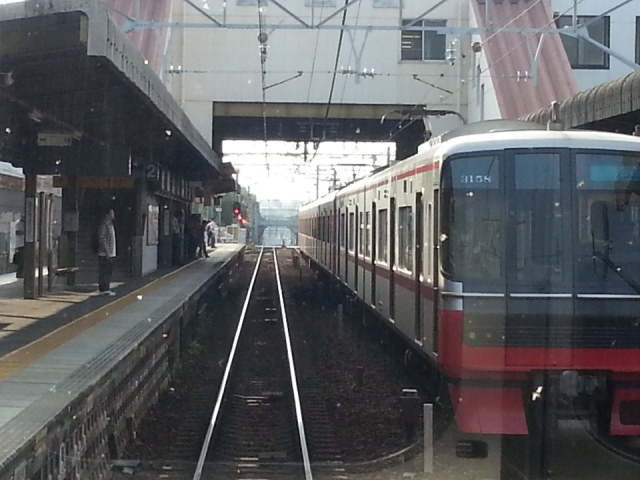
<point x="511" y="258"/>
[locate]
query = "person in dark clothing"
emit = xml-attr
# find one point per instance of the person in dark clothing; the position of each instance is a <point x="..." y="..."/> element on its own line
<point x="193" y="233"/>
<point x="177" y="239"/>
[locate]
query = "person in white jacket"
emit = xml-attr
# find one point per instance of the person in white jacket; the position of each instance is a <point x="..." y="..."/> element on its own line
<point x="106" y="252"/>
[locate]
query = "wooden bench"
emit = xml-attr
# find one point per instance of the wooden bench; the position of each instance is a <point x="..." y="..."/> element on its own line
<point x="69" y="273"/>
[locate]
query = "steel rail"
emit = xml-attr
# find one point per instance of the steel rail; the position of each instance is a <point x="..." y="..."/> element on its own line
<point x="225" y="378"/>
<point x="294" y="382"/>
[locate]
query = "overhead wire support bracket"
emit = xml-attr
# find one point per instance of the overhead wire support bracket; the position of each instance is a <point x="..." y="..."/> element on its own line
<point x="424" y="14"/>
<point x="580" y="31"/>
<point x="290" y="13"/>
<point x="604" y="14"/>
<point x="146" y="24"/>
<point x="203" y="12"/>
<point x="418" y="79"/>
<point x="299" y="74"/>
<point x="341" y="9"/>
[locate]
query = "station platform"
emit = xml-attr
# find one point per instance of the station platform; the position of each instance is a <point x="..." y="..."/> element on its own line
<point x="54" y="349"/>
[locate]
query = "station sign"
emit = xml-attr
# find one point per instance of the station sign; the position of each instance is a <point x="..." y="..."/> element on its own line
<point x="49" y="139"/>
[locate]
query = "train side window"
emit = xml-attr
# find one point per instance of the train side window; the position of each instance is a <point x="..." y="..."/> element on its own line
<point x="405" y="238"/>
<point x="343" y="228"/>
<point x="382" y="253"/>
<point x="362" y="236"/>
<point x="367" y="236"/>
<point x="352" y="231"/>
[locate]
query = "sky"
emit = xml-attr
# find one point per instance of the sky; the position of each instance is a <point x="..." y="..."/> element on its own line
<point x="282" y="171"/>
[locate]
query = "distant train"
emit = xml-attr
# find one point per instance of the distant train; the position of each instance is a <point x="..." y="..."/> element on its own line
<point x="511" y="258"/>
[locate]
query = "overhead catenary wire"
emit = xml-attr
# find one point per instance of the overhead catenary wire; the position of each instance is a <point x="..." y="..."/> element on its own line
<point x="335" y="68"/>
<point x="315" y="54"/>
<point x="333" y="78"/>
<point x="344" y="85"/>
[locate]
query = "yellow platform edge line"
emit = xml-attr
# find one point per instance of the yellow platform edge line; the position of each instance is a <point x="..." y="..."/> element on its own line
<point x="19" y="359"/>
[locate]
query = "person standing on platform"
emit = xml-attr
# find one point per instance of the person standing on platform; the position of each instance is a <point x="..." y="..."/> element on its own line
<point x="192" y="234"/>
<point x="177" y="238"/>
<point x="106" y="252"/>
<point x="211" y="233"/>
<point x="202" y="245"/>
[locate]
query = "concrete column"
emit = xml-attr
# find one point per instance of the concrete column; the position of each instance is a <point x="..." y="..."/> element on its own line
<point x="70" y="222"/>
<point x="139" y="226"/>
<point x="41" y="241"/>
<point x="29" y="252"/>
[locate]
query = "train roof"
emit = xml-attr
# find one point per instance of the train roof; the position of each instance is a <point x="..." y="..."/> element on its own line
<point x="319" y="201"/>
<point x="499" y="136"/>
<point x="585" y="139"/>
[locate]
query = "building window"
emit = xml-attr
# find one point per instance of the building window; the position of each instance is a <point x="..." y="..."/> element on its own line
<point x="638" y="40"/>
<point x="382" y="236"/>
<point x="405" y="238"/>
<point x="423" y="44"/>
<point x="582" y="54"/>
<point x="251" y="3"/>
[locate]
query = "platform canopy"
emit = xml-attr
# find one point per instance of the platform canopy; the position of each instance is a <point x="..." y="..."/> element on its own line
<point x="613" y="106"/>
<point x="72" y="86"/>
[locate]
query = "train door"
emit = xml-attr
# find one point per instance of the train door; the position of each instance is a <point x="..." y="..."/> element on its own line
<point x="339" y="240"/>
<point x="356" y="249"/>
<point x="333" y="239"/>
<point x="418" y="273"/>
<point x="323" y="237"/>
<point x="347" y="240"/>
<point x="373" y="251"/>
<point x="538" y="252"/>
<point x="435" y="264"/>
<point x="392" y="257"/>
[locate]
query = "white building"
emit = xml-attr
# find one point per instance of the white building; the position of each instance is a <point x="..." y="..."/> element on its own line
<point x="362" y="58"/>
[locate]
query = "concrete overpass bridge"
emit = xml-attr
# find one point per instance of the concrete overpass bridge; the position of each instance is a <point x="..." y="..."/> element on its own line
<point x="289" y="222"/>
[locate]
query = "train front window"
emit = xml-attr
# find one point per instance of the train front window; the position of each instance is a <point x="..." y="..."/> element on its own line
<point x="608" y="230"/>
<point x="472" y="217"/>
<point x="539" y="235"/>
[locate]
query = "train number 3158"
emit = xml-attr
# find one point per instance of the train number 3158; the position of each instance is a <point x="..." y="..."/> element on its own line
<point x="466" y="179"/>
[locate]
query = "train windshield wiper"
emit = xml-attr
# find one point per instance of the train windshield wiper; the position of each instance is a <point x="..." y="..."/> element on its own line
<point x="617" y="269"/>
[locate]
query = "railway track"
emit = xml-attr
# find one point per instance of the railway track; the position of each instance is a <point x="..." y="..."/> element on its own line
<point x="256" y="428"/>
<point x="252" y="432"/>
